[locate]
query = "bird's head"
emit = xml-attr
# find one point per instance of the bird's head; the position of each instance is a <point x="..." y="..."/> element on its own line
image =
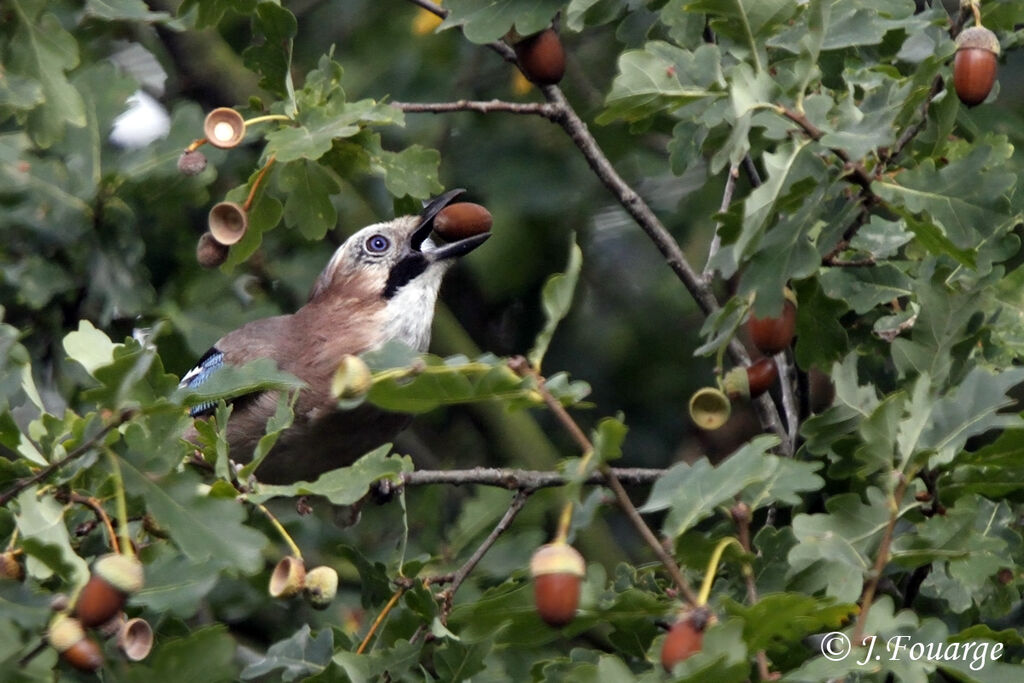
<point x="398" y="258"/>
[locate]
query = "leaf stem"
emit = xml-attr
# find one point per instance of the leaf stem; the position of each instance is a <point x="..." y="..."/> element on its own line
<point x="280" y="530"/>
<point x="264" y="118"/>
<point x="121" y="504"/>
<point x="380" y="618"/>
<point x="712" y="572"/>
<point x="256" y="183"/>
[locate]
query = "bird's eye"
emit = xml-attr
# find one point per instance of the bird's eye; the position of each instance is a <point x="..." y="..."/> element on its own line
<point x="377" y="244"/>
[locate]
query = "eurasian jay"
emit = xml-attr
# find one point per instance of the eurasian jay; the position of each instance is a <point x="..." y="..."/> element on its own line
<point x="380" y="285"/>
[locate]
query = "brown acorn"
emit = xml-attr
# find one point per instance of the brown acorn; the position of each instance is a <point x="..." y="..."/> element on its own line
<point x="557" y="570"/>
<point x="772" y="335"/>
<point x="227" y="222"/>
<point x="541" y="57"/>
<point x="321" y="586"/>
<point x="224" y="127"/>
<point x="751" y="381"/>
<point x="192" y="162"/>
<point x="288" y="578"/>
<point x="209" y="252"/>
<point x="462" y="220"/>
<point x="67" y="636"/>
<point x="114" y="577"/>
<point x="10" y="568"/>
<point x="974" y="66"/>
<point x="685" y="638"/>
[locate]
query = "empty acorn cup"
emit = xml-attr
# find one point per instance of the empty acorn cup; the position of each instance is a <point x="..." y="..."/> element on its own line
<point x="135" y="639"/>
<point x="227" y="222"/>
<point x="709" y="408"/>
<point x="224" y="127"/>
<point x="288" y="578"/>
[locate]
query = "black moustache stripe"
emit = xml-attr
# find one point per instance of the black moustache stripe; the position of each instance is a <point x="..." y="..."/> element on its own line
<point x="403" y="273"/>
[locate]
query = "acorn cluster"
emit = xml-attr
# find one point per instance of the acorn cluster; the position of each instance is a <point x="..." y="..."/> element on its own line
<point x="710" y="407"/>
<point x="113" y="579"/>
<point x="227" y="221"/>
<point x="318" y="586"/>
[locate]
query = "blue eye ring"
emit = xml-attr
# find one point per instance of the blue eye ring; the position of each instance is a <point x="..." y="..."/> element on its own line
<point x="377" y="244"/>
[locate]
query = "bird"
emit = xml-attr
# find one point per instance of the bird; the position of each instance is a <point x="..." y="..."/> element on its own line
<point x="380" y="285"/>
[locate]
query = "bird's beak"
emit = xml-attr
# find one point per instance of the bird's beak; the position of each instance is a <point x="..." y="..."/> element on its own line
<point x="430" y="211"/>
<point x="460" y="248"/>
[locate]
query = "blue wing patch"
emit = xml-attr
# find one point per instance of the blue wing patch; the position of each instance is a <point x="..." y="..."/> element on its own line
<point x="206" y="366"/>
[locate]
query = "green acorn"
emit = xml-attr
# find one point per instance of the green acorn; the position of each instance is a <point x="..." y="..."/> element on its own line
<point x="321" y="586"/>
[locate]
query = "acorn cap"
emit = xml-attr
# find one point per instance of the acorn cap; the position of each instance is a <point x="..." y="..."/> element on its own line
<point x="790" y="296"/>
<point x="135" y="639"/>
<point x="123" y="572"/>
<point x="227" y="222"/>
<point x="710" y="408"/>
<point x="10" y="568"/>
<point x="736" y="384"/>
<point x="288" y="578"/>
<point x="352" y="378"/>
<point x="321" y="586"/>
<point x="64" y="632"/>
<point x="557" y="558"/>
<point x="224" y="127"/>
<point x="978" y="37"/>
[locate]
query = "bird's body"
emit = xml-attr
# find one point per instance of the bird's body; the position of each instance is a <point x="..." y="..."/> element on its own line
<point x="380" y="285"/>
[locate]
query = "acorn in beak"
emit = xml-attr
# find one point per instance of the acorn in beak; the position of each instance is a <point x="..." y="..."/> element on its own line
<point x="464" y="226"/>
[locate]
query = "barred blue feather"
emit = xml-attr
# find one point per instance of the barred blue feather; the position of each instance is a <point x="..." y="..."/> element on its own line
<point x="207" y="365"/>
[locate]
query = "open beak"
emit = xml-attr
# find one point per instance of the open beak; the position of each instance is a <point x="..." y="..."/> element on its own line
<point x="426" y="226"/>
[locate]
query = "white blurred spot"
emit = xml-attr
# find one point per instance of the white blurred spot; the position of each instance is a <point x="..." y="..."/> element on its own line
<point x="144" y="122"/>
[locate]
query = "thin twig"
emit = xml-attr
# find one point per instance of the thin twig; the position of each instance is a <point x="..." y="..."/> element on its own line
<point x="911" y="131"/>
<point x="524" y="480"/>
<point x="522" y="367"/>
<point x="82" y="449"/>
<point x="716" y="241"/>
<point x="858" y="173"/>
<point x="741" y="517"/>
<point x="94" y="505"/>
<point x="881" y="560"/>
<point x="518" y="501"/>
<point x="542" y="109"/>
<point x="752" y="175"/>
<point x="868" y="262"/>
<point x="789" y="404"/>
